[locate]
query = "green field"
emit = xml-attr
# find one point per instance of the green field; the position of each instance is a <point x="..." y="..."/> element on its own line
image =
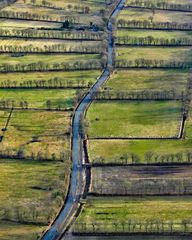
<point x="45" y="58"/>
<point x="37" y="98"/>
<point x="16" y="231"/>
<point x="150" y="53"/>
<point x="51" y="45"/>
<point x="37" y="135"/>
<point x="141" y="180"/>
<point x="148" y="80"/>
<point x="139" y="151"/>
<point x="49" y="79"/>
<point x="34" y="196"/>
<point x="134" y="119"/>
<point x="9" y="23"/>
<point x="120" y="214"/>
<point x="166" y="1"/>
<point x="153" y="33"/>
<point x="159" y="16"/>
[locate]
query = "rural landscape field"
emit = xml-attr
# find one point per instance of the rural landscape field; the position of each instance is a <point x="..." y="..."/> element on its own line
<point x="96" y="119"/>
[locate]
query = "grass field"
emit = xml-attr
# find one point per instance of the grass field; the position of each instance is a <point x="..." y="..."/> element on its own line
<point x="35" y="194"/>
<point x="37" y="135"/>
<point x="141" y="180"/>
<point x="134" y="119"/>
<point x="16" y="231"/>
<point x="148" y="80"/>
<point x="166" y="1"/>
<point x="45" y="58"/>
<point x="145" y="151"/>
<point x="49" y="79"/>
<point x="150" y="53"/>
<point x="159" y="16"/>
<point x="50" y="45"/>
<point x="116" y="214"/>
<point x="8" y="23"/>
<point x="37" y="98"/>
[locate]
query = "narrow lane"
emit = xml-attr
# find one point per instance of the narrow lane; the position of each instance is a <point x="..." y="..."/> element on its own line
<point x="78" y="173"/>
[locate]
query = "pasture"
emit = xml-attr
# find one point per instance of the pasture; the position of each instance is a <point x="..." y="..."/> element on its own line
<point x="130" y="214"/>
<point x="139" y="151"/>
<point x="134" y="119"/>
<point x="49" y="79"/>
<point x="148" y="80"/>
<point x="37" y="135"/>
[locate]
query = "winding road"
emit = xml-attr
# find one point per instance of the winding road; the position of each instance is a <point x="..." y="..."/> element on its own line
<point x="78" y="171"/>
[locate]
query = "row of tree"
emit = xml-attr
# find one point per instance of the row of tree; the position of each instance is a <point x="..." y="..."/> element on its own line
<point x="51" y="34"/>
<point x="153" y="63"/>
<point x="150" y="40"/>
<point x="139" y="95"/>
<point x="39" y="17"/>
<point x="164" y="5"/>
<point x="55" y="48"/>
<point x="64" y="66"/>
<point x="134" y="226"/>
<point x="143" y="187"/>
<point x="55" y="82"/>
<point x="145" y="24"/>
<point x="149" y="158"/>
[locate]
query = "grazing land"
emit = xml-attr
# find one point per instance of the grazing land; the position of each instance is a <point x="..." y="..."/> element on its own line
<point x="148" y="80"/>
<point x="139" y="151"/>
<point x="148" y="214"/>
<point x="134" y="119"/>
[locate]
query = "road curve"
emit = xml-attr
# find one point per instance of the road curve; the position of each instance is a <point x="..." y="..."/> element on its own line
<point x="75" y="189"/>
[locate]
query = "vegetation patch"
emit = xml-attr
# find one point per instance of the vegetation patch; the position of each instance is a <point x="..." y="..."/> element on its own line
<point x="134" y="119"/>
<point x="134" y="215"/>
<point x="140" y="151"/>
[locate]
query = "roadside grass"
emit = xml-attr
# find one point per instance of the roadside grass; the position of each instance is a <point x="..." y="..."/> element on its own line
<point x="37" y="135"/>
<point x="60" y="99"/>
<point x="134" y="119"/>
<point x="32" y="191"/>
<point x="49" y="79"/>
<point x="167" y="54"/>
<point x="158" y="16"/>
<point x="41" y="46"/>
<point x="119" y="214"/>
<point x="122" y="151"/>
<point x="148" y="80"/>
<point x="16" y="231"/>
<point x="141" y="180"/>
<point x="16" y="23"/>
<point x="188" y="124"/>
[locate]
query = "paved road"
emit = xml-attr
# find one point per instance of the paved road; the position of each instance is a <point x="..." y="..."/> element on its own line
<point x="78" y="172"/>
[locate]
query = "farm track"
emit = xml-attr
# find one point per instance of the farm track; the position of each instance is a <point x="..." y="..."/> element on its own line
<point x="72" y="206"/>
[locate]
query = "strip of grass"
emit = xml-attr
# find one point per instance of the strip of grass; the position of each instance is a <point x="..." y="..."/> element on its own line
<point x="37" y="98"/>
<point x="117" y="151"/>
<point x="154" y="34"/>
<point x="45" y="58"/>
<point x="151" y="53"/>
<point x="159" y="16"/>
<point x="113" y="214"/>
<point x="148" y="80"/>
<point x="134" y="119"/>
<point x="49" y="79"/>
<point x="37" y="135"/>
